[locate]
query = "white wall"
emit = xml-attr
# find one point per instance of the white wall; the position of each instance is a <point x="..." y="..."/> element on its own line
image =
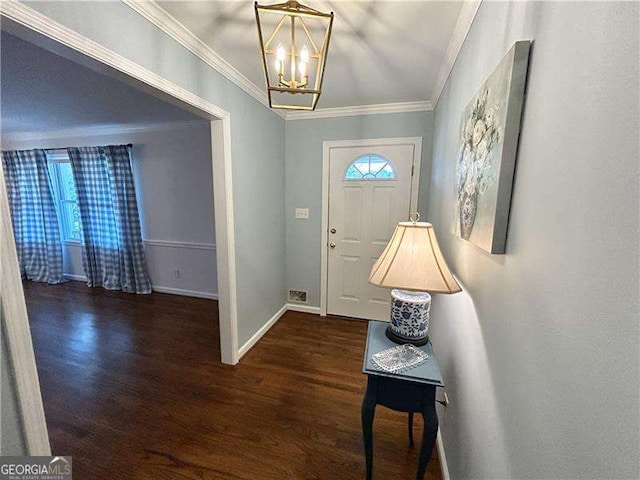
<point x="540" y="357"/>
<point x="174" y="183"/>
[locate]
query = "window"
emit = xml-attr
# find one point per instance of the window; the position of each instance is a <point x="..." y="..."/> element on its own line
<point x="66" y="199"/>
<point x="370" y="167"/>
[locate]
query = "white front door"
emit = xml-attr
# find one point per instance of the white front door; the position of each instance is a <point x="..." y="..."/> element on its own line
<point x="370" y="191"/>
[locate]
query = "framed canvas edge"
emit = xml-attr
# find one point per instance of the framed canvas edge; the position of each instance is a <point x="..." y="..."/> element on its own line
<point x="515" y="103"/>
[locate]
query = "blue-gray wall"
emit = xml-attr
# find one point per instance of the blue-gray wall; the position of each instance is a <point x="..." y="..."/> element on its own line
<point x="257" y="146"/>
<point x="540" y="358"/>
<point x="304" y="181"/>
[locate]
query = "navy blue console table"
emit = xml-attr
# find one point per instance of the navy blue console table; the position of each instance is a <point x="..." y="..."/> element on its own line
<point x="411" y="391"/>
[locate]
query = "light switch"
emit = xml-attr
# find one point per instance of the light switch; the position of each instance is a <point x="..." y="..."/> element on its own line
<point x="302" y="213"/>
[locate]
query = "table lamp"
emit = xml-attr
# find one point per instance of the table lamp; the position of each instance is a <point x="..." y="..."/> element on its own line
<point x="412" y="265"/>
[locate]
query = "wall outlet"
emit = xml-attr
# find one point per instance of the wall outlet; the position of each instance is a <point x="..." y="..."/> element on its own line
<point x="302" y="213"/>
<point x="176" y="273"/>
<point x="298" y="296"/>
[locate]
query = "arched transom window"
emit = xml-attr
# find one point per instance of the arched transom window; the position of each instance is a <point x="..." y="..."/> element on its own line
<point x="370" y="167"/>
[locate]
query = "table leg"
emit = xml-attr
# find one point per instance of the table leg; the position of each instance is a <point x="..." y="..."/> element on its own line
<point x="410" y="421"/>
<point x="430" y="432"/>
<point x="368" y="412"/>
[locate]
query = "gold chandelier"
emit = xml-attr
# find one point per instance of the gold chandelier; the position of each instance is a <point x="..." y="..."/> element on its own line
<point x="293" y="57"/>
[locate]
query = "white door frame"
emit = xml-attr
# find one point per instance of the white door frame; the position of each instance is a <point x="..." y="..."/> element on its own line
<point x="51" y="34"/>
<point x="416" y="142"/>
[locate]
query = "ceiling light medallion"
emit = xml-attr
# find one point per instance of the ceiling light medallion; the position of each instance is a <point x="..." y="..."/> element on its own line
<point x="294" y="54"/>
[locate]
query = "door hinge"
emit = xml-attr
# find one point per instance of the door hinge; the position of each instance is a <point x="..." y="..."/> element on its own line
<point x="412" y="169"/>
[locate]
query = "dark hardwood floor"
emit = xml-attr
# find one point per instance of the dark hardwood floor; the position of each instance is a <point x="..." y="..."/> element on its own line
<point x="133" y="388"/>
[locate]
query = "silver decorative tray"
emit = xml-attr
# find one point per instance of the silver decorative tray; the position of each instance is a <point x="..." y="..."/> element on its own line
<point x="399" y="359"/>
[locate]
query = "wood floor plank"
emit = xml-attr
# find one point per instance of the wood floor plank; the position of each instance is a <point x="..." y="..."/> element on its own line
<point x="133" y="388"/>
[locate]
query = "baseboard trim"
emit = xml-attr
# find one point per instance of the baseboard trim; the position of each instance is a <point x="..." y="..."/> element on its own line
<point x="158" y="288"/>
<point x="171" y="244"/>
<point x="184" y="293"/>
<point x="76" y="278"/>
<point x="444" y="467"/>
<point x="296" y="307"/>
<point x="260" y="333"/>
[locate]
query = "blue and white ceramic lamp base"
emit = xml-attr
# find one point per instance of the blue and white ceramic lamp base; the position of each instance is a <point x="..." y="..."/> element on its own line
<point x="409" y="317"/>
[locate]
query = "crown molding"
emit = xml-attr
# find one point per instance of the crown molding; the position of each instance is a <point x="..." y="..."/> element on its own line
<point x="459" y="35"/>
<point x="167" y="23"/>
<point x="97" y="130"/>
<point x="403" y="107"/>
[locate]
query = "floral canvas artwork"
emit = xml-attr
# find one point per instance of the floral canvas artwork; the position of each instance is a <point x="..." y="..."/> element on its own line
<point x="486" y="155"/>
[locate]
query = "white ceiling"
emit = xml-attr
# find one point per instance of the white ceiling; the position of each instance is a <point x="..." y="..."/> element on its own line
<point x="381" y="52"/>
<point x="43" y="92"/>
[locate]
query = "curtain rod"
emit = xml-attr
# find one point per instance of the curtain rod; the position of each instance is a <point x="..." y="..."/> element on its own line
<point x="130" y="145"/>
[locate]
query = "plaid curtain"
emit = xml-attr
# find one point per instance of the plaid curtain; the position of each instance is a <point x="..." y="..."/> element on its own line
<point x="112" y="254"/>
<point x="33" y="215"/>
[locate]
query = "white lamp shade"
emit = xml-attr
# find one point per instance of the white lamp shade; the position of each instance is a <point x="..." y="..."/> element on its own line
<point x="413" y="261"/>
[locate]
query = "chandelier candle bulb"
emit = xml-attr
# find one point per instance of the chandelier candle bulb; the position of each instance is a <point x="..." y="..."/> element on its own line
<point x="304" y="54"/>
<point x="280" y="56"/>
<point x="303" y="71"/>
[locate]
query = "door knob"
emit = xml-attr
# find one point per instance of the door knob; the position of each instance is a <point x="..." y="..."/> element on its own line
<point x="332" y="245"/>
<point x="333" y="230"/>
